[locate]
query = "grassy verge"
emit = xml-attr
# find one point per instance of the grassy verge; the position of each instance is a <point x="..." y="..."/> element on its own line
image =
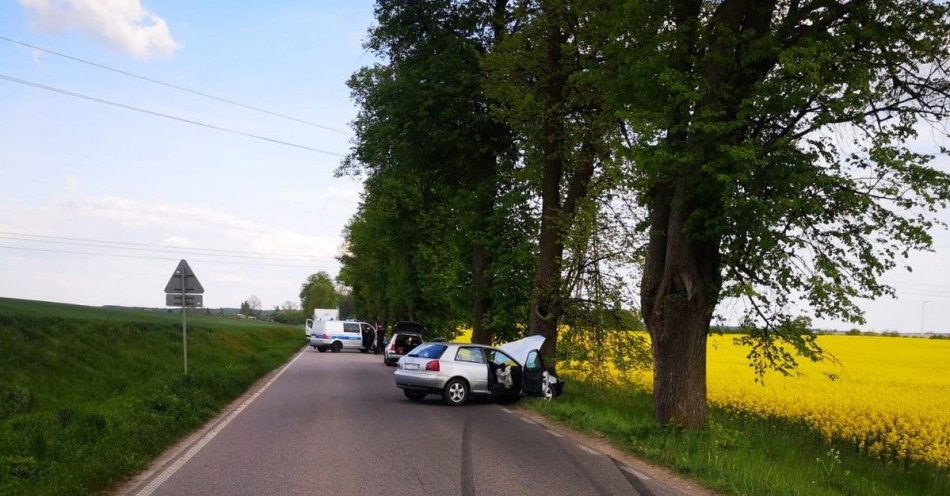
<point x="89" y="396"/>
<point x="737" y="453"/>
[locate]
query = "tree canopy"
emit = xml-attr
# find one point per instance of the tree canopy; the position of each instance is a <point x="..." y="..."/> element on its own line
<point x="318" y="291"/>
<point x="538" y="162"/>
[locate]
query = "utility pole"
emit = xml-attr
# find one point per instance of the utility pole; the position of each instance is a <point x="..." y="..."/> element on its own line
<point x="923" y="308"/>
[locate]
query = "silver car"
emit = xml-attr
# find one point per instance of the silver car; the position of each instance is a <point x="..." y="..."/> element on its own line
<point x="460" y="371"/>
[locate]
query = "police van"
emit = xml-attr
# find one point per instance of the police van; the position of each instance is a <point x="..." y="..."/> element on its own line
<point x="339" y="335"/>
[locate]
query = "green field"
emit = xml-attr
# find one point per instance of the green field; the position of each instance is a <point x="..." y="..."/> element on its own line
<point x="89" y="396"/>
<point x="737" y="453"/>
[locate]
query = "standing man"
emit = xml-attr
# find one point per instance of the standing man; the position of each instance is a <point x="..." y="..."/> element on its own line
<point x="380" y="337"/>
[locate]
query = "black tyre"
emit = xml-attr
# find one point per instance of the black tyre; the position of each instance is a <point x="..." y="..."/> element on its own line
<point x="455" y="392"/>
<point x="321" y="349"/>
<point x="414" y="395"/>
<point x="364" y="350"/>
<point x="336" y="347"/>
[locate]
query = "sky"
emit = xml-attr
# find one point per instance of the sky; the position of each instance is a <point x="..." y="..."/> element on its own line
<point x="250" y="216"/>
<point x="73" y="168"/>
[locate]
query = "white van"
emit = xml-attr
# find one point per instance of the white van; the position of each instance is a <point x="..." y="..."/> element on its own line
<point x="320" y="314"/>
<point x="339" y="335"/>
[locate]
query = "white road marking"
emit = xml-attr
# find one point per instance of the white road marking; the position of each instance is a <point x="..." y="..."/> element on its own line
<point x="585" y="448"/>
<point x="634" y="472"/>
<point x="555" y="434"/>
<point x="528" y="420"/>
<point x="168" y="472"/>
<point x="507" y="410"/>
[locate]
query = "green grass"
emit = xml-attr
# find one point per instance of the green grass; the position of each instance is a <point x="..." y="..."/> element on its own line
<point x="89" y="396"/>
<point x="737" y="453"/>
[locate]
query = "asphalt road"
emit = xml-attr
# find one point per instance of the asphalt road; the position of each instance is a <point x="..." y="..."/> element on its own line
<point x="336" y="424"/>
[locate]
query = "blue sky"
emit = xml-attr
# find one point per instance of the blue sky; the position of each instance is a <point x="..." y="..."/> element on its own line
<point x="79" y="169"/>
<point x="73" y="168"/>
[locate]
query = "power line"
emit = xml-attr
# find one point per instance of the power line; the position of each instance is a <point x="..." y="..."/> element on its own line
<point x="151" y="247"/>
<point x="920" y="284"/>
<point x="49" y="250"/>
<point x="167" y="116"/>
<point x="175" y="86"/>
<point x="170" y="250"/>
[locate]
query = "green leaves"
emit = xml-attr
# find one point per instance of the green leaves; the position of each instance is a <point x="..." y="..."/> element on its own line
<point x="318" y="292"/>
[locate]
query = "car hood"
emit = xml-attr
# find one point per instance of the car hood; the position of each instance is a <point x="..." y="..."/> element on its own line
<point x="519" y="349"/>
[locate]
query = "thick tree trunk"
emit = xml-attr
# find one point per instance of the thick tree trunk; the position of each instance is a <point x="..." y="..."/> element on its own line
<point x="679" y="292"/>
<point x="679" y="367"/>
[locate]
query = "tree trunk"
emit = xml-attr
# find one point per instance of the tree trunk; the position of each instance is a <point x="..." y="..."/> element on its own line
<point x="679" y="291"/>
<point x="481" y="333"/>
<point x="545" y="299"/>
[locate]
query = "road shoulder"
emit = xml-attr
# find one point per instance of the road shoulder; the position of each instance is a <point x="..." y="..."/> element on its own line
<point x="644" y="471"/>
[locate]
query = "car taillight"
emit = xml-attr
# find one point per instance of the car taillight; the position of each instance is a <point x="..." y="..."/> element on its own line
<point x="432" y="366"/>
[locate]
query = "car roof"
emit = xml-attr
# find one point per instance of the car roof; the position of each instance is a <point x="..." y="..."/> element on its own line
<point x="473" y="345"/>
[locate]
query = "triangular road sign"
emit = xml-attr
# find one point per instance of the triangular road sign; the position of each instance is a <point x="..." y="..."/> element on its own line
<point x="192" y="285"/>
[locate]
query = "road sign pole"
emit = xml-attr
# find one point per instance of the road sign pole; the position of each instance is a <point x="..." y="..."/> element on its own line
<point x="184" y="325"/>
<point x="183" y="283"/>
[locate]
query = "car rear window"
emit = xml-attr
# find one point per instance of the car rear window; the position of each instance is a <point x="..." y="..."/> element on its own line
<point x="431" y="350"/>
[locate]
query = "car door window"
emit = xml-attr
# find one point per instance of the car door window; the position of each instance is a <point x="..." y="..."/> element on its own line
<point x="498" y="358"/>
<point x="351" y="327"/>
<point x="533" y="362"/>
<point x="472" y="355"/>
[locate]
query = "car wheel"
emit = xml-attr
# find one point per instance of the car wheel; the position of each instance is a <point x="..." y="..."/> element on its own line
<point x="321" y="349"/>
<point x="336" y="347"/>
<point x="455" y="392"/>
<point x="414" y="395"/>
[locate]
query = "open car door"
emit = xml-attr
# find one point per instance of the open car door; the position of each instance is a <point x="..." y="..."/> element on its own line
<point x="536" y="378"/>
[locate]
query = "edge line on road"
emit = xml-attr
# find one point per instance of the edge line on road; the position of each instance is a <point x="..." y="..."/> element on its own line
<point x="634" y="477"/>
<point x="195" y="448"/>
<point x="591" y="451"/>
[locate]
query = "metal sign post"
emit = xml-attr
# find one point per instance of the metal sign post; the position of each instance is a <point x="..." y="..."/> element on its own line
<point x="184" y="325"/>
<point x="183" y="289"/>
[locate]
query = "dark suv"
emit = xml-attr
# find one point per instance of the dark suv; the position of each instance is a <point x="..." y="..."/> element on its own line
<point x="406" y="336"/>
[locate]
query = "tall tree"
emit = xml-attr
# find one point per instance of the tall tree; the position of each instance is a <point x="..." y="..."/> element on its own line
<point x="539" y="75"/>
<point x="318" y="291"/>
<point x="768" y="142"/>
<point x="425" y="128"/>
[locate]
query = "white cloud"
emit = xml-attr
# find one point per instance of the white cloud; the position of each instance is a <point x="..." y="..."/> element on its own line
<point x="72" y="183"/>
<point x="124" y="24"/>
<point x="243" y="233"/>
<point x="176" y="241"/>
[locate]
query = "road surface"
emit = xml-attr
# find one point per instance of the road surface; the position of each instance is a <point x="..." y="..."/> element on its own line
<point x="335" y="424"/>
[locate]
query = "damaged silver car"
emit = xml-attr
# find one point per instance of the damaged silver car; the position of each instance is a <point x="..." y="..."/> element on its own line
<point x="459" y="371"/>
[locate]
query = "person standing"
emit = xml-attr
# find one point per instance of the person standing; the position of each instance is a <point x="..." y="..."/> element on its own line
<point x="380" y="337"/>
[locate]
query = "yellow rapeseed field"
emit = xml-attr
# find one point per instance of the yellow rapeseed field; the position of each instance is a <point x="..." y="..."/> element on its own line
<point x="889" y="396"/>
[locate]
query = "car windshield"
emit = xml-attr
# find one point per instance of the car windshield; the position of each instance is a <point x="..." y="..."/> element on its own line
<point x="431" y="350"/>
